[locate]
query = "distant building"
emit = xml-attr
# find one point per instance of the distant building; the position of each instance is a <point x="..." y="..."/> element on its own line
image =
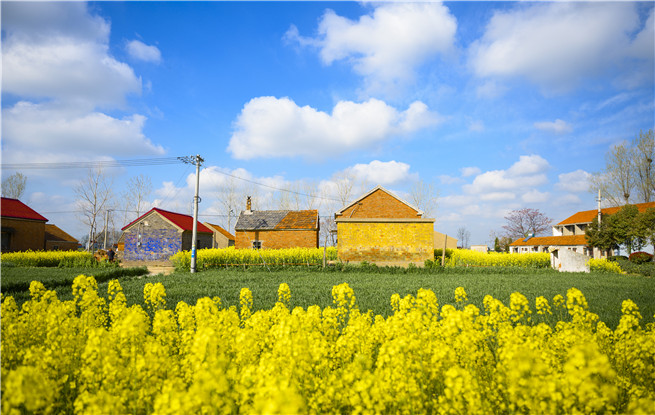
<point x="222" y="238"/>
<point x="381" y="227"/>
<point x="479" y="248"/>
<point x="451" y="243"/>
<point x="58" y="240"/>
<point x="25" y="229"/>
<point x="570" y="234"/>
<point x="158" y="234"/>
<point x="276" y="229"/>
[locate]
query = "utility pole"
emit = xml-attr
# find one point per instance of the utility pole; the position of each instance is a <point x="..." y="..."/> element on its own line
<point x="197" y="160"/>
<point x="106" y="226"/>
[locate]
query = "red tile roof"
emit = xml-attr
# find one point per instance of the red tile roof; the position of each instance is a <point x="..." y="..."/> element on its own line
<point x="220" y="230"/>
<point x="299" y="219"/>
<point x="184" y="222"/>
<point x="588" y="215"/>
<point x="14" y="208"/>
<point x="564" y="240"/>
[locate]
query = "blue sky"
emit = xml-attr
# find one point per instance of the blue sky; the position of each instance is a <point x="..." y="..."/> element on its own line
<point x="497" y="106"/>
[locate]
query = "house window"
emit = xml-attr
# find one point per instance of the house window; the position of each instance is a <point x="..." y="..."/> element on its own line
<point x="256" y="244"/>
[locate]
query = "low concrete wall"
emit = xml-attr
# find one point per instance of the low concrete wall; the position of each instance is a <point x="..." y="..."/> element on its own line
<point x="566" y="260"/>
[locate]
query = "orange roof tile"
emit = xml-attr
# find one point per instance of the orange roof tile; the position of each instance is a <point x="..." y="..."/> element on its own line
<point x="54" y="233"/>
<point x="587" y="216"/>
<point x="551" y="240"/>
<point x="220" y="230"/>
<point x="299" y="219"/>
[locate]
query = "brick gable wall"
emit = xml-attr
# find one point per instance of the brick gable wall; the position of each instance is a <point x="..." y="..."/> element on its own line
<point x="277" y="239"/>
<point x="386" y="241"/>
<point x="380" y="204"/>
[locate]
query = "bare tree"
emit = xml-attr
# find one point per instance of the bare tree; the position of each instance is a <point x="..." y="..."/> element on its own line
<point x="424" y="196"/>
<point x="14" y="186"/>
<point x="526" y="221"/>
<point x="94" y="196"/>
<point x="464" y="236"/>
<point x="328" y="231"/>
<point x="230" y="199"/>
<point x="344" y="182"/>
<point x="643" y="149"/>
<point x="312" y="194"/>
<point x="136" y="196"/>
<point x="617" y="181"/>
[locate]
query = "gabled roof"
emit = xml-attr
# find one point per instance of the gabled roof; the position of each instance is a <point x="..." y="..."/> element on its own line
<point x="54" y="233"/>
<point x="277" y="220"/>
<point x="14" y="208"/>
<point x="563" y="240"/>
<point x="183" y="222"/>
<point x="340" y="212"/>
<point x="587" y="216"/>
<point x="220" y="230"/>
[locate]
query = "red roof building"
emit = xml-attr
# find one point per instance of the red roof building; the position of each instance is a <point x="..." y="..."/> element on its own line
<point x="22" y="227"/>
<point x="158" y="234"/>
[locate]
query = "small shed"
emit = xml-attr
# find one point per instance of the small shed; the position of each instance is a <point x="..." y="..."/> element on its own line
<point x="276" y="229"/>
<point x="222" y="238"/>
<point x="158" y="234"/>
<point x="381" y="227"/>
<point x="58" y="240"/>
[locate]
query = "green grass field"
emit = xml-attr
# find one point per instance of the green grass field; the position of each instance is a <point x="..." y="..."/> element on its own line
<point x="373" y="288"/>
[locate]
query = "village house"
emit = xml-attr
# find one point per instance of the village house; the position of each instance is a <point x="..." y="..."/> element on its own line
<point x="569" y="234"/>
<point x="222" y="238"/>
<point x="58" y="240"/>
<point x="381" y="227"/>
<point x="276" y="229"/>
<point x="25" y="229"/>
<point x="158" y="234"/>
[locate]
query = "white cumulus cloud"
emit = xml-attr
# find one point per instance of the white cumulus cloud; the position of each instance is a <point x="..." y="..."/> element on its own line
<point x="141" y="51"/>
<point x="382" y="172"/>
<point x="59" y="51"/>
<point x="387" y="45"/>
<point x="525" y="174"/>
<point x="557" y="45"/>
<point x="270" y="127"/>
<point x="574" y="182"/>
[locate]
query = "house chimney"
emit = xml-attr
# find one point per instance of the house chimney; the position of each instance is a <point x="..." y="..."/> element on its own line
<point x="248" y="206"/>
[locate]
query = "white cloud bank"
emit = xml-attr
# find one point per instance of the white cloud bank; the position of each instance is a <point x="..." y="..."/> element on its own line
<point x="270" y="127"/>
<point x="56" y="61"/>
<point x="387" y="45"/>
<point x="558" y="45"/>
<point x="522" y="177"/>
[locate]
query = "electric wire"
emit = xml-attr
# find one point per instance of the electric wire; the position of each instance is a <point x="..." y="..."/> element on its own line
<point x="93" y="164"/>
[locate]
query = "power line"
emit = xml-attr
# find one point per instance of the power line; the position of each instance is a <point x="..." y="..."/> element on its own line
<point x="93" y="164"/>
<point x="277" y="188"/>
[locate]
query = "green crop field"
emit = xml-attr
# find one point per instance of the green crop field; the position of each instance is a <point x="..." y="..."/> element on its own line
<point x="373" y="287"/>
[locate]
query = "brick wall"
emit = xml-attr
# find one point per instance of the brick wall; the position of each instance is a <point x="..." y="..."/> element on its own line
<point x="380" y="204"/>
<point x="203" y="240"/>
<point x="159" y="240"/>
<point x="24" y="234"/>
<point x="385" y="241"/>
<point x="277" y="239"/>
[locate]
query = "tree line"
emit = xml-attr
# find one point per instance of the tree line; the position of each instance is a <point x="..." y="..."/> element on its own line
<point x="628" y="228"/>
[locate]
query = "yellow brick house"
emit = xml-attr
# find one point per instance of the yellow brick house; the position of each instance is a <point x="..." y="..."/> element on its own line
<point x="380" y="227"/>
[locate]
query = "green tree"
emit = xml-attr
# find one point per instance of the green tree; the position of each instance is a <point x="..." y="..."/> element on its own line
<point x="601" y="235"/>
<point x="624" y="223"/>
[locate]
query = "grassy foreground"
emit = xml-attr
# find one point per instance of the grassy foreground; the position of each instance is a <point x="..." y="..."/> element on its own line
<point x="373" y="290"/>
